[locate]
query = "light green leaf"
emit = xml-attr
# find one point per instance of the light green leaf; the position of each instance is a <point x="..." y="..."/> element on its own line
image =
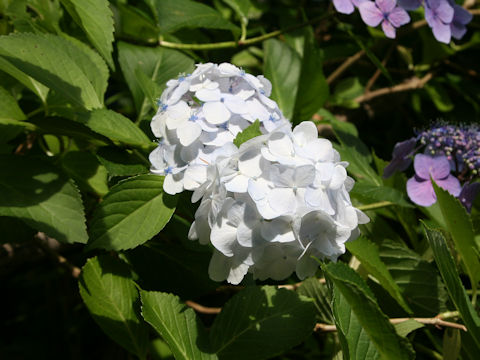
<point x="355" y="342"/>
<point x="460" y="227"/>
<point x="312" y="288"/>
<point x="449" y="273"/>
<point x="282" y="66"/>
<point x="112" y="298"/>
<point x="36" y="192"/>
<point x="368" y="254"/>
<point x="158" y="64"/>
<point x="313" y="89"/>
<point x="364" y="305"/>
<point x="249" y="133"/>
<point x="406" y="327"/>
<point x="177" y="324"/>
<point x="37" y="88"/>
<point x="55" y="62"/>
<point x="131" y="213"/>
<point x="96" y="19"/>
<point x="420" y="283"/>
<point x="85" y="169"/>
<point x="173" y="15"/>
<point x="253" y="317"/>
<point x="116" y="127"/>
<point x="9" y="108"/>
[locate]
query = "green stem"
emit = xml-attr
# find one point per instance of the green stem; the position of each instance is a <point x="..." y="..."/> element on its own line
<point x="448" y="315"/>
<point x="377" y="205"/>
<point x="232" y="44"/>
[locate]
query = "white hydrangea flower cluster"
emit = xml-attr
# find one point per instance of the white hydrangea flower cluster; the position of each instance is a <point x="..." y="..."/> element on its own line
<point x="266" y="207"/>
<point x="199" y="116"/>
<point x="270" y="206"/>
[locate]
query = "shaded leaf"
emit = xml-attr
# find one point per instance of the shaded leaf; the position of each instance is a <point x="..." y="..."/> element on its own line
<point x="9" y="108"/>
<point x="39" y="194"/>
<point x="253" y="317"/>
<point x="177" y="324"/>
<point x="131" y="213"/>
<point x="312" y="288"/>
<point x="368" y="254"/>
<point x="112" y="298"/>
<point x="120" y="162"/>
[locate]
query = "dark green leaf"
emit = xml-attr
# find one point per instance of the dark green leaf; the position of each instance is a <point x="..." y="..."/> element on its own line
<point x="14" y="230"/>
<point x="177" y="324"/>
<point x="95" y="18"/>
<point x="439" y="96"/>
<point x="312" y="288"/>
<point x="112" y="298"/>
<point x="249" y="133"/>
<point x="173" y="15"/>
<point x="345" y="93"/>
<point x="9" y="108"/>
<point x="372" y="193"/>
<point x="452" y="342"/>
<point x="460" y="227"/>
<point x="421" y="286"/>
<point x="131" y="213"/>
<point x="120" y="162"/>
<point x="368" y="254"/>
<point x="364" y="305"/>
<point x="36" y="192"/>
<point x="252" y="318"/>
<point x="282" y="66"/>
<point x="449" y="273"/>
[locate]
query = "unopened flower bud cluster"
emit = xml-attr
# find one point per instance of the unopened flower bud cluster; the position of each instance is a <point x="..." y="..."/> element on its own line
<point x="266" y="207"/>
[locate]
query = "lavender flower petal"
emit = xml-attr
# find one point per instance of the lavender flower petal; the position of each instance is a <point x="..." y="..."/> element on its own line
<point x="398" y="17"/>
<point x="451" y="184"/>
<point x="437" y="167"/>
<point x="386" y="6"/>
<point x="468" y="194"/>
<point x="370" y="13"/>
<point x="388" y="29"/>
<point x="421" y="191"/>
<point x="401" y="157"/>
<point x="344" y="6"/>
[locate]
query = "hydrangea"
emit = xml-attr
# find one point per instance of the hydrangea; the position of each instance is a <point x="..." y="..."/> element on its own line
<point x="199" y="116"/>
<point x="452" y="152"/>
<point x="272" y="205"/>
<point x="444" y="17"/>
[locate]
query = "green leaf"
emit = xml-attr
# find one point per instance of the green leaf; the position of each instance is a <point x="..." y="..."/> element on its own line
<point x="158" y="64"/>
<point x="177" y="324"/>
<point x="120" y="162"/>
<point x="173" y="15"/>
<point x="131" y="213"/>
<point x="406" y="327"/>
<point x="355" y="342"/>
<point x="116" y="127"/>
<point x="241" y="7"/>
<point x="449" y="273"/>
<point x="420" y="283"/>
<point x="345" y="93"/>
<point x="439" y="96"/>
<point x="56" y="63"/>
<point x="250" y="132"/>
<point x="372" y="193"/>
<point x="312" y="288"/>
<point x="282" y="66"/>
<point x="368" y="254"/>
<point x="460" y="227"/>
<point x="85" y="169"/>
<point x="112" y="298"/>
<point x="364" y="305"/>
<point x="36" y="192"/>
<point x="452" y="343"/>
<point x="353" y="150"/>
<point x="96" y="19"/>
<point x="253" y="317"/>
<point x="9" y="108"/>
<point x="313" y="89"/>
<point x="154" y="262"/>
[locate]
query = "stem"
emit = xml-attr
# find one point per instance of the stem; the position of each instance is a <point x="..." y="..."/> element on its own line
<point x="344" y="66"/>
<point x="241" y="42"/>
<point x="377" y="205"/>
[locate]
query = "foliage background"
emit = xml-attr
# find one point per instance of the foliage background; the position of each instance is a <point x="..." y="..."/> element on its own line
<point x="79" y="84"/>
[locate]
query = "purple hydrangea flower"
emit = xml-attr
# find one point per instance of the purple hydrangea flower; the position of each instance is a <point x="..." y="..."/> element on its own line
<point x="346" y="6"/>
<point x="420" y="188"/>
<point x="409" y="4"/>
<point x="439" y="15"/>
<point x="461" y="17"/>
<point x="386" y="12"/>
<point x="468" y="195"/>
<point x="401" y="157"/>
